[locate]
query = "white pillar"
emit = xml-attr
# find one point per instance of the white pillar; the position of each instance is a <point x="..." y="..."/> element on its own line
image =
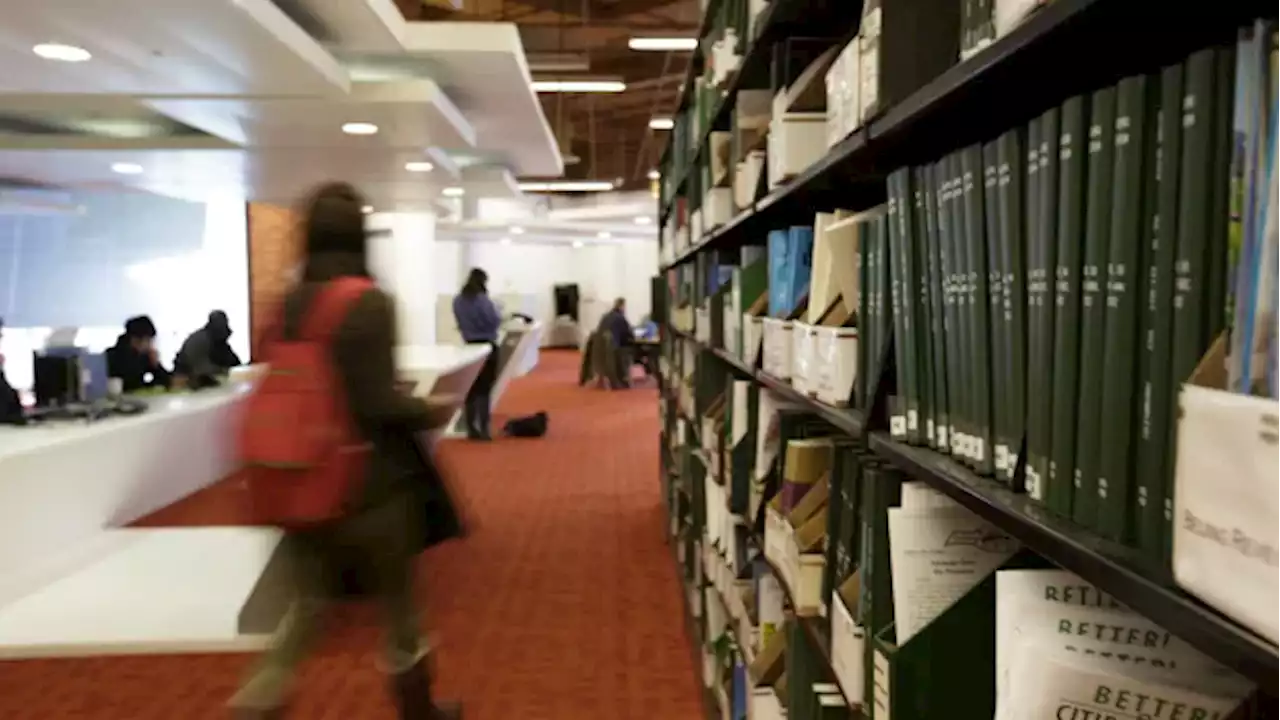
<point x="402" y="259"/>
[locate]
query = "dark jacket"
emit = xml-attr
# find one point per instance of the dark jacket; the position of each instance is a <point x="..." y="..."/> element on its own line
<point x="206" y="354"/>
<point x="477" y="317"/>
<point x="363" y="353"/>
<point x="615" y="325"/>
<point x="132" y="367"/>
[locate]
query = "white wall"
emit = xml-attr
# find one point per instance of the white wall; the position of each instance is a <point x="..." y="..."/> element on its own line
<point x="603" y="272"/>
<point x="402" y="259"/>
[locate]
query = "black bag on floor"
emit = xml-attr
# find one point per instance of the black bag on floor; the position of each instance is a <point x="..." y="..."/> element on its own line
<point x="529" y="426"/>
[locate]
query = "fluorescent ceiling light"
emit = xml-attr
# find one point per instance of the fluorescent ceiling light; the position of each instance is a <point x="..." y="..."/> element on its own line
<point x="661" y="123"/>
<point x="453" y="192"/>
<point x="360" y="128"/>
<point x="579" y="86"/>
<point x="419" y="166"/>
<point x="577" y="243"/>
<point x="663" y="44"/>
<point x="603" y="235"/>
<point x="567" y="186"/>
<point x="505" y="241"/>
<point x="654" y="174"/>
<point x="125" y="168"/>
<point x="643" y="220"/>
<point x="366" y="209"/>
<point x="516" y="230"/>
<point x="60" y="52"/>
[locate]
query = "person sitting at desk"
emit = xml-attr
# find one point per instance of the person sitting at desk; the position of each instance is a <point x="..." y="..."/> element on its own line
<point x="617" y="329"/>
<point x="134" y="359"/>
<point x="205" y="354"/>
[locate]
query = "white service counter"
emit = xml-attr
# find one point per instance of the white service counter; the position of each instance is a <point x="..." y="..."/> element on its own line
<point x="68" y="491"/>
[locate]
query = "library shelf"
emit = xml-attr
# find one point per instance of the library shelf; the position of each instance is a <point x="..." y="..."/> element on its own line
<point x="1119" y="570"/>
<point x="710" y="703"/>
<point x="843" y="419"/>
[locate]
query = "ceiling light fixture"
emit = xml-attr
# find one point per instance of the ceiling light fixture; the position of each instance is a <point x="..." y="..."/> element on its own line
<point x="367" y="209"/>
<point x="125" y="168"/>
<point x="61" y="53"/>
<point x="567" y="186"/>
<point x="419" y="166"/>
<point x="577" y="243"/>
<point x="643" y="220"/>
<point x="505" y="241"/>
<point x="663" y="44"/>
<point x="579" y="86"/>
<point x="360" y="128"/>
<point x="661" y="123"/>
<point x="654" y="174"/>
<point x="453" y="192"/>
<point x="517" y="230"/>
<point x="603" y="235"/>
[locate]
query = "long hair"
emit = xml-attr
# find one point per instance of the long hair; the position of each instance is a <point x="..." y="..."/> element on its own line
<point x="333" y="224"/>
<point x="475" y="284"/>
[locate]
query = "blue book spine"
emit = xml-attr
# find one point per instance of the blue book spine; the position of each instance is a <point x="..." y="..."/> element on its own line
<point x="778" y="248"/>
<point x="801" y="266"/>
<point x="738" y="703"/>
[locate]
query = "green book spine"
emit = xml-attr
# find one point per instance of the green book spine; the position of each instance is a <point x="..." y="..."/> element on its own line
<point x="864" y="291"/>
<point x="1092" y="303"/>
<point x="1195" y="227"/>
<point x="901" y="328"/>
<point x="1011" y="198"/>
<point x="955" y="326"/>
<point x="909" y="359"/>
<point x="1136" y="101"/>
<point x="1033" y="263"/>
<point x="869" y="333"/>
<point x="995" y="312"/>
<point x="978" y="180"/>
<point x="1152" y="491"/>
<point x="937" y="310"/>
<point x="1220" y="189"/>
<point x="1072" y="173"/>
<point x="881" y="490"/>
<point x="1040" y="303"/>
<point x="924" y="309"/>
<point x="883" y="270"/>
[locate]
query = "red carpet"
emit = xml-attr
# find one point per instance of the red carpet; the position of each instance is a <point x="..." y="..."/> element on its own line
<point x="563" y="604"/>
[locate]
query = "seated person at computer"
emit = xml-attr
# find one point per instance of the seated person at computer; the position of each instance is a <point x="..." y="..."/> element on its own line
<point x="614" y="325"/>
<point x="205" y="354"/>
<point x="134" y="359"/>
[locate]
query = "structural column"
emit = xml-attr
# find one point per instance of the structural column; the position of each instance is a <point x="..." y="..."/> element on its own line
<point x="401" y="258"/>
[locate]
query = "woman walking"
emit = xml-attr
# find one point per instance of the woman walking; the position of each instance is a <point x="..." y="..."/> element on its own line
<point x="399" y="503"/>
<point x="478" y="321"/>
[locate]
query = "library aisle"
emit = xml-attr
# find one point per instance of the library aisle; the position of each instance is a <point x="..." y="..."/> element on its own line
<point x="563" y="604"/>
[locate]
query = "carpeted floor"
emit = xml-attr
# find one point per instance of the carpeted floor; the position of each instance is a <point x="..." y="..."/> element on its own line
<point x="562" y="604"/>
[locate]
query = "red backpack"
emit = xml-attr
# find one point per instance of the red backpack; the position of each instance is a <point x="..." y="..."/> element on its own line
<point x="303" y="458"/>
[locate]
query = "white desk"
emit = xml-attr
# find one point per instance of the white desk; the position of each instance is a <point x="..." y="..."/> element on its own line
<point x="74" y="581"/>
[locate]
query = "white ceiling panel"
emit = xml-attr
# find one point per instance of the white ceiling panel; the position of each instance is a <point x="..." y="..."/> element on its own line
<point x="174" y="47"/>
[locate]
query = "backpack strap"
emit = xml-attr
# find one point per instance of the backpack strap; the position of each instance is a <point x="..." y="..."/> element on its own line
<point x="330" y="305"/>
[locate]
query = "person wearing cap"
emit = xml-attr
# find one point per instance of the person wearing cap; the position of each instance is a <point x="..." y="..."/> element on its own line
<point x="206" y="354"/>
<point x="134" y="359"/>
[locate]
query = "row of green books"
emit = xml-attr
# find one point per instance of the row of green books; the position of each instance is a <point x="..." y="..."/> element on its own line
<point x="1051" y="290"/>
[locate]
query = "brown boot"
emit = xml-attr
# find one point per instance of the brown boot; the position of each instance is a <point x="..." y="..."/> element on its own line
<point x="412" y="690"/>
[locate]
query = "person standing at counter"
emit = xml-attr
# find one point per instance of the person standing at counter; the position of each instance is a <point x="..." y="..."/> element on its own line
<point x="134" y="358"/>
<point x="206" y="354"/>
<point x="478" y="321"/>
<point x="402" y="503"/>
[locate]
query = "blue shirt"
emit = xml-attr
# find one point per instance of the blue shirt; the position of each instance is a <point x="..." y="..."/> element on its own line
<point x="477" y="318"/>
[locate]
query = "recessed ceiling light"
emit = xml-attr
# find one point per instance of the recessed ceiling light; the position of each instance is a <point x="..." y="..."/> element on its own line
<point x="663" y="44"/>
<point x="453" y="192"/>
<point x="654" y="174"/>
<point x="360" y="128"/>
<point x="516" y="230"/>
<point x="419" y="166"/>
<point x="125" y="168"/>
<point x="577" y="243"/>
<point x="661" y="123"/>
<point x="603" y="235"/>
<point x="60" y="52"/>
<point x="366" y="209"/>
<point x="643" y="220"/>
<point x="505" y="241"/>
<point x="579" y="86"/>
<point x="567" y="186"/>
